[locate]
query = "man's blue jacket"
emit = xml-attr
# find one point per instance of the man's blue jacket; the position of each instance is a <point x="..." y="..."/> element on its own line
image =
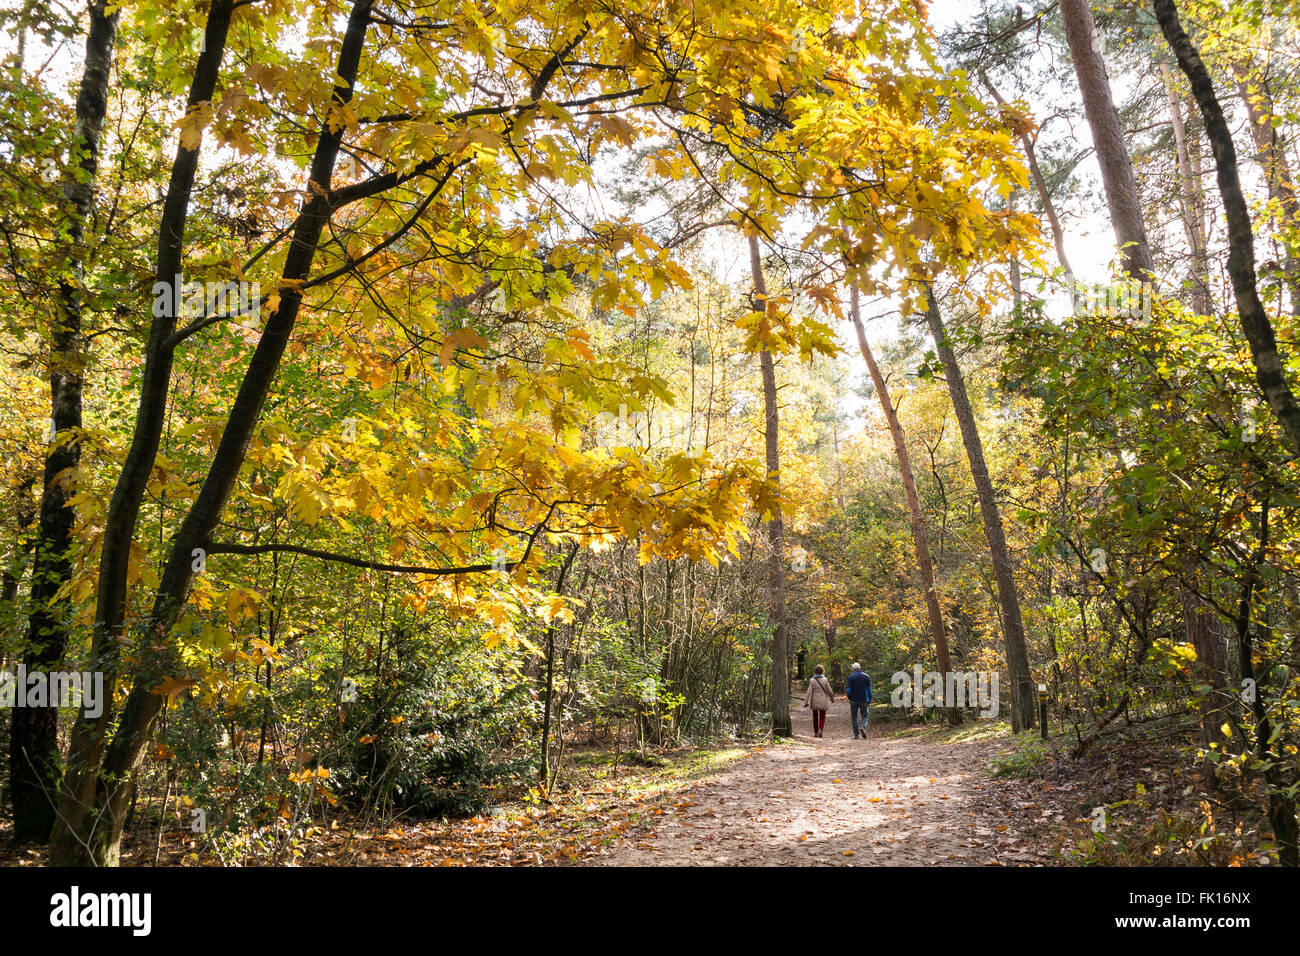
<point x="858" y="687"/>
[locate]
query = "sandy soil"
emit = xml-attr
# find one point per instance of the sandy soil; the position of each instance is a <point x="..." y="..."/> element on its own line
<point x="881" y="801"/>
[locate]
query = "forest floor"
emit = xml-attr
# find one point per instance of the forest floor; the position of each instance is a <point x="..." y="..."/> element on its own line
<point x="922" y="795"/>
<point x="605" y="792"/>
<point x="909" y="797"/>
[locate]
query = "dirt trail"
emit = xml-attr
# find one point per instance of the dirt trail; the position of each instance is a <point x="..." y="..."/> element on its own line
<point x="888" y="800"/>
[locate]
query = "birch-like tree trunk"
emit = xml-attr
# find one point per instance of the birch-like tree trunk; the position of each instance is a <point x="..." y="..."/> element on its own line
<point x="1189" y="186"/>
<point x="1277" y="171"/>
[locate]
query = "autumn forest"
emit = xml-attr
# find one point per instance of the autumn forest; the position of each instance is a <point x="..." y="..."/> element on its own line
<point x="475" y="431"/>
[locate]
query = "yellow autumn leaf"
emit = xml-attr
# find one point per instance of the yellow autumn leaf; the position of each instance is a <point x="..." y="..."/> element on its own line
<point x="193" y="124"/>
<point x="172" y="687"/>
<point x="556" y="608"/>
<point x="461" y="338"/>
<point x="239" y="605"/>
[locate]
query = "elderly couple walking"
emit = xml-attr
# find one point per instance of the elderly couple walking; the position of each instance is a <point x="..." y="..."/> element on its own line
<point x="819" y="697"/>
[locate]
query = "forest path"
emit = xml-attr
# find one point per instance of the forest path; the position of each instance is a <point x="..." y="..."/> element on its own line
<point x="882" y="801"/>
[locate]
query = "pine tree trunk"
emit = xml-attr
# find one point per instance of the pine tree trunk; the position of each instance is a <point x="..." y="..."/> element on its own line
<point x="839" y="465"/>
<point x="1013" y="629"/>
<point x="1107" y="138"/>
<point x="35" y="774"/>
<point x="919" y="537"/>
<point x="780" y="700"/>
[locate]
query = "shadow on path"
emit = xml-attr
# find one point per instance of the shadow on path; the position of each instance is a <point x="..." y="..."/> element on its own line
<point x="882" y="801"/>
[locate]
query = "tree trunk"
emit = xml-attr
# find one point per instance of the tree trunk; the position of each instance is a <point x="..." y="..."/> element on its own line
<point x="780" y="694"/>
<point x="1197" y="619"/>
<point x="35" y="775"/>
<point x="1040" y="184"/>
<point x="919" y="536"/>
<point x="1277" y="172"/>
<point x="1269" y="366"/>
<point x="1199" y="210"/>
<point x="1013" y="629"/>
<point x="1123" y="203"/>
<point x="1107" y="138"/>
<point x="11" y="615"/>
<point x="1210" y="669"/>
<point x="94" y="806"/>
<point x="544" y="771"/>
<point x="1189" y="186"/>
<point x="1281" y="805"/>
<point x="839" y="465"/>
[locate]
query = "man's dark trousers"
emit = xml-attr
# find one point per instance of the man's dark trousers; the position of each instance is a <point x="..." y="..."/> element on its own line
<point x="858" y="707"/>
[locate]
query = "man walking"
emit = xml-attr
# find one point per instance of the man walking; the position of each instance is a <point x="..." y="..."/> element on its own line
<point x="858" y="690"/>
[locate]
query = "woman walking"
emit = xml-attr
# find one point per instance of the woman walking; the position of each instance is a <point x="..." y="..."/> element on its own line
<point x="819" y="698"/>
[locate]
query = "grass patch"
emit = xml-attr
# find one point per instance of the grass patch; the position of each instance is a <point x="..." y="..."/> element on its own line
<point x="965" y="732"/>
<point x="677" y="771"/>
<point x="1028" y="759"/>
<point x="643" y="775"/>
